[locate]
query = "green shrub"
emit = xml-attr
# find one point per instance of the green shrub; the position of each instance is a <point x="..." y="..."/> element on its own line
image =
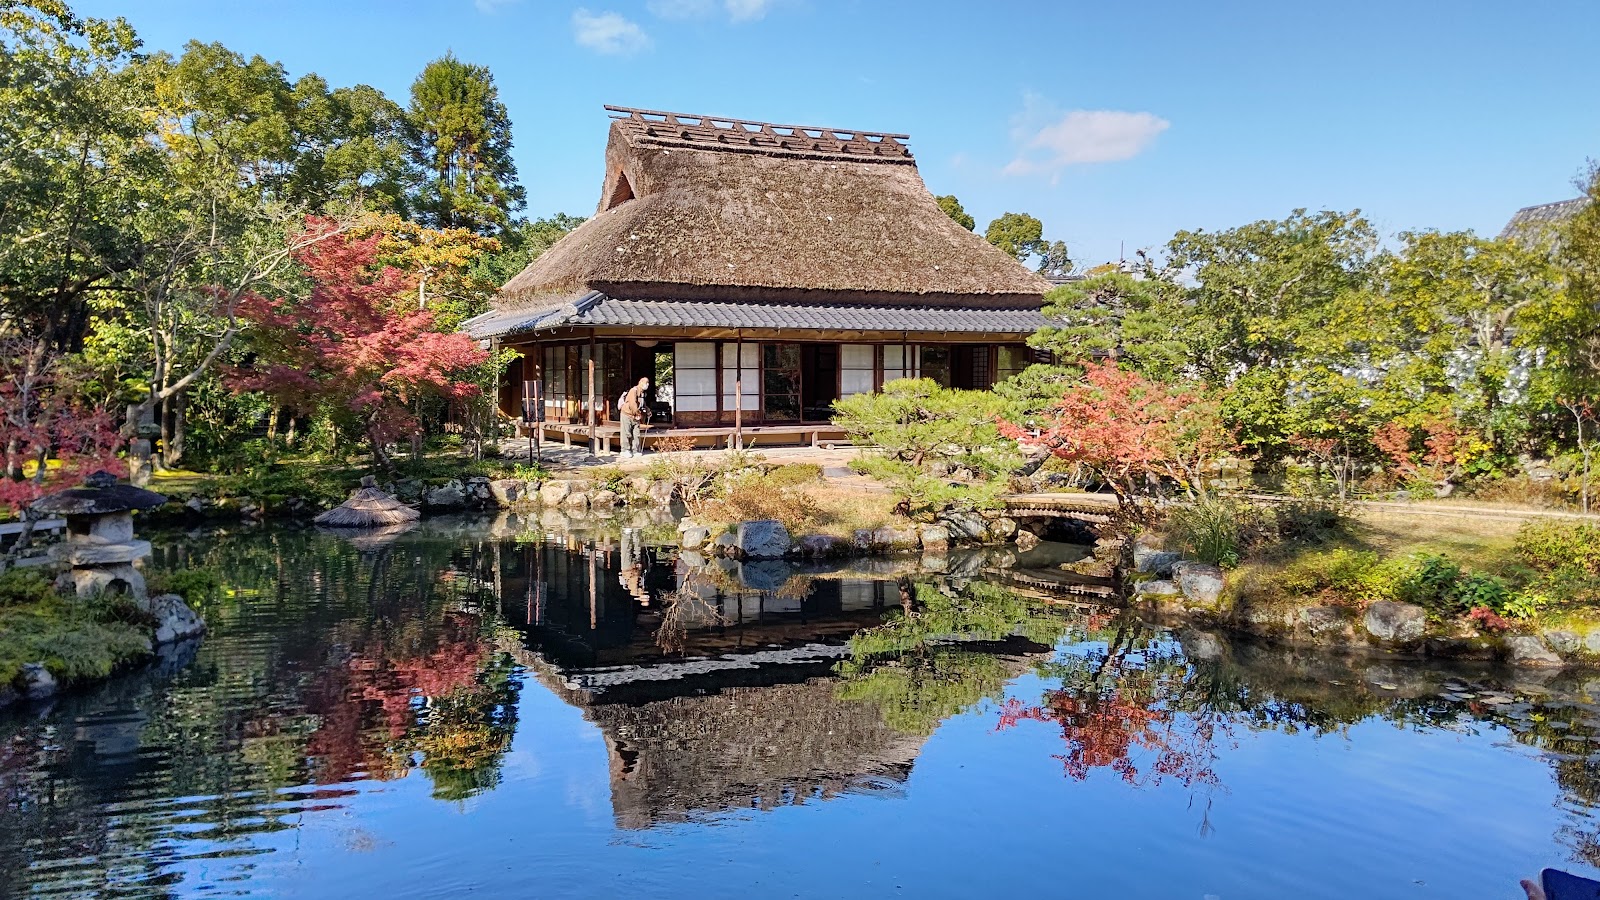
<point x="1218" y="531"/>
<point x="67" y="640"/>
<point x="915" y="420"/>
<point x="195" y="586"/>
<point x="1433" y="585"/>
<point x="529" y="472"/>
<point x="1310" y="520"/>
<point x="23" y="586"/>
<point x="1439" y="585"/>
<point x="610" y="478"/>
<point x="1477" y="589"/>
<point x="1350" y="575"/>
<point x="1551" y="545"/>
<point x="923" y="496"/>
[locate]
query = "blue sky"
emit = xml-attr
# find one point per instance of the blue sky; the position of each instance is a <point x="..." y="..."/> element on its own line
<point x="1116" y="124"/>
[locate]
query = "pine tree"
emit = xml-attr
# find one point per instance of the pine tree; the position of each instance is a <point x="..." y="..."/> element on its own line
<point x="461" y="136"/>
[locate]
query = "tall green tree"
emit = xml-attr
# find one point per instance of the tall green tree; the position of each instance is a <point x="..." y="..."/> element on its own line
<point x="953" y="208"/>
<point x="1462" y="306"/>
<point x="1018" y="234"/>
<point x="72" y="157"/>
<point x="461" y="136"/>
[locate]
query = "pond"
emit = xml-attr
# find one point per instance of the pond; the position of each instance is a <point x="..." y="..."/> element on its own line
<point x="540" y="707"/>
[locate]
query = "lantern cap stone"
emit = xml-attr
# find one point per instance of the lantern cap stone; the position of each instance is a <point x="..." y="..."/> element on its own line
<point x="100" y="495"/>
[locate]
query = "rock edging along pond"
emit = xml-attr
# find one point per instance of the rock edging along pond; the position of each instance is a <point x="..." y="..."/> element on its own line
<point x="579" y="496"/>
<point x="1174" y="591"/>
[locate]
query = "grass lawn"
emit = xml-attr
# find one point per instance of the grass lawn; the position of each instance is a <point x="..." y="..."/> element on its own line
<point x="1481" y="542"/>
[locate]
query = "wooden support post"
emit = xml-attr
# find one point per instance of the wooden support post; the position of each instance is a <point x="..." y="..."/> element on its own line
<point x="594" y="446"/>
<point x="738" y="391"/>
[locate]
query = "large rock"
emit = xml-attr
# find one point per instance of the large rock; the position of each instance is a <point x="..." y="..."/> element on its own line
<point x="1156" y="588"/>
<point x="1027" y="540"/>
<point x="763" y="539"/>
<point x="966" y="527"/>
<point x="477" y="488"/>
<point x="508" y="492"/>
<point x="895" y="540"/>
<point x="37" y="682"/>
<point x="726" y="544"/>
<point x="1003" y="528"/>
<point x="694" y="537"/>
<point x="577" y="501"/>
<point x="1199" y="582"/>
<point x="822" y="546"/>
<point x="1324" y="621"/>
<point x="1395" y="623"/>
<point x="175" y="621"/>
<point x="935" y="538"/>
<point x="1528" y="650"/>
<point x="660" y="492"/>
<point x="553" y="493"/>
<point x="1563" y="641"/>
<point x="603" y="499"/>
<point x="451" y="495"/>
<point x="1154" y="562"/>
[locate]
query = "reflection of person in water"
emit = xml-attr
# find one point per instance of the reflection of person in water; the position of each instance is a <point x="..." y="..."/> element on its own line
<point x="633" y="562"/>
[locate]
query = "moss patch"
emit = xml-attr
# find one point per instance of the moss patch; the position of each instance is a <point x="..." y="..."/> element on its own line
<point x="69" y="638"/>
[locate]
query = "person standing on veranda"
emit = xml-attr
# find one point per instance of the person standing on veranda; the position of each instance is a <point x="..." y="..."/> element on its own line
<point x="632" y="411"/>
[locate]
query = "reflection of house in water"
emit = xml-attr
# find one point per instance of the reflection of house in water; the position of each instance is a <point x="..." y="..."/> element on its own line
<point x="745" y="715"/>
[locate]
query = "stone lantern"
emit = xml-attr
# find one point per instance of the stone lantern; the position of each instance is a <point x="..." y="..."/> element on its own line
<point x="100" y="550"/>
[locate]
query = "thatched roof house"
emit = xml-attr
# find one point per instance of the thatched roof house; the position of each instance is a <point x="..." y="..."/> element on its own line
<point x="783" y="266"/>
<point x="1538" y="225"/>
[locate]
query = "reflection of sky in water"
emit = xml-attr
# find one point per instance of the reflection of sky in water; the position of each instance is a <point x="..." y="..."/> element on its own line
<point x="1373" y="809"/>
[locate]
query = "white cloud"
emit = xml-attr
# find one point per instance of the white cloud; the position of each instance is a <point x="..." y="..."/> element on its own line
<point x="608" y="32"/>
<point x="681" y="9"/>
<point x="747" y="10"/>
<point x="1080" y="136"/>
<point x="737" y="10"/>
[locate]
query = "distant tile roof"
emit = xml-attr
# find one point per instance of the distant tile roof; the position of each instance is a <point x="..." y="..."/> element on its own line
<point x="1535" y="224"/>
<point x="595" y="308"/>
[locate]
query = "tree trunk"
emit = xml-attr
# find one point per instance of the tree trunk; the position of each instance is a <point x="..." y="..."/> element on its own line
<point x="172" y="446"/>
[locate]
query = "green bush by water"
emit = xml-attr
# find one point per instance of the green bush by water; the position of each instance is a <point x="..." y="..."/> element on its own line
<point x="77" y="640"/>
<point x="197" y="586"/>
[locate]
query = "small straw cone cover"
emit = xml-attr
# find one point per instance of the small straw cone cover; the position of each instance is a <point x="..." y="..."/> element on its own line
<point x="368" y="507"/>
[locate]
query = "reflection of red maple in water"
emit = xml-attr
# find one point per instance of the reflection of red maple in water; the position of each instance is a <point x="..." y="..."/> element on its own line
<point x="347" y="740"/>
<point x="1140" y="743"/>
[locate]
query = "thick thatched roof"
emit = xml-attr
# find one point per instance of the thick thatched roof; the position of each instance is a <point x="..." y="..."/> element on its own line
<point x="701" y="209"/>
<point x="1536" y="225"/>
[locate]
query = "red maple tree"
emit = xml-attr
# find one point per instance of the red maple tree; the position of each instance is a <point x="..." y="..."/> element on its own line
<point x="1441" y="438"/>
<point x="43" y="419"/>
<point x="352" y="345"/>
<point x="1125" y="429"/>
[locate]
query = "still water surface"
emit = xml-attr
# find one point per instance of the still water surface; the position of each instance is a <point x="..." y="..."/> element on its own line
<point x="515" y="708"/>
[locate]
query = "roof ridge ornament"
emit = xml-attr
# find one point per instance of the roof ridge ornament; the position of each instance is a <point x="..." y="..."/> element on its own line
<point x="750" y="136"/>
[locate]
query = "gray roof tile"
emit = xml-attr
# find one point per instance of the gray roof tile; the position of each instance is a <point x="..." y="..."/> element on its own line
<point x="598" y="309"/>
